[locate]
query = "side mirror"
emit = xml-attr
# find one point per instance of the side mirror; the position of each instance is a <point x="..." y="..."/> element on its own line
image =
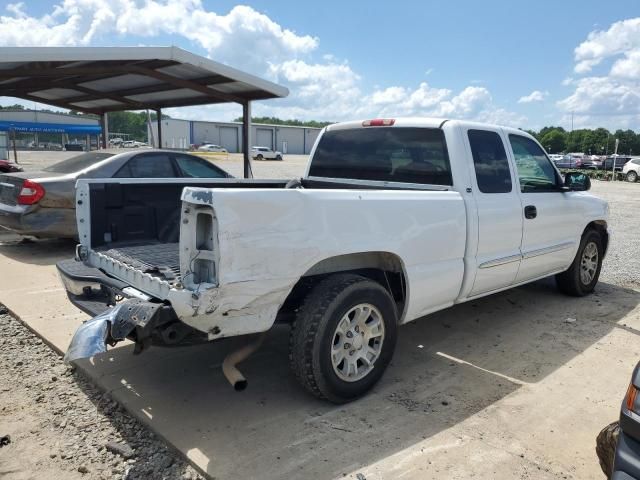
<point x="577" y="181"/>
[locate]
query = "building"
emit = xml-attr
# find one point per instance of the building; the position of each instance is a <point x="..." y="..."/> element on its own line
<point x="180" y="134"/>
<point x="36" y="129"/>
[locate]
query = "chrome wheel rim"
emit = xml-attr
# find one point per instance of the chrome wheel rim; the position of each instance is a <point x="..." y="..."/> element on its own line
<point x="357" y="342"/>
<point x="589" y="263"/>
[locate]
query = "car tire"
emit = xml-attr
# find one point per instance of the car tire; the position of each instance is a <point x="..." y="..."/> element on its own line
<point x="259" y="157"/>
<point x="632" y="176"/>
<point x="606" y="442"/>
<point x="279" y="157"/>
<point x="330" y="330"/>
<point x="582" y="276"/>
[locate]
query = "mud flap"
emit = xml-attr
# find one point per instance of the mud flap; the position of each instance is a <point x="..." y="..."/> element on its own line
<point x="113" y="326"/>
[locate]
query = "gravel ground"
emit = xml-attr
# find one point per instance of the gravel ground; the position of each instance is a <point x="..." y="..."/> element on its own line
<point x="622" y="265"/>
<point x="58" y="411"/>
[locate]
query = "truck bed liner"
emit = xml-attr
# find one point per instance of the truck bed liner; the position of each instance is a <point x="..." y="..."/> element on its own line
<point x="161" y="259"/>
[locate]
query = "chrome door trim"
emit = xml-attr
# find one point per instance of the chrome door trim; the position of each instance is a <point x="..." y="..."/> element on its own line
<point x="547" y="250"/>
<point x="500" y="261"/>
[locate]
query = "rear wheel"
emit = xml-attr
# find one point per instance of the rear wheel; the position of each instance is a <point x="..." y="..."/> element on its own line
<point x="278" y="157"/>
<point x="632" y="176"/>
<point x="343" y="337"/>
<point x="581" y="278"/>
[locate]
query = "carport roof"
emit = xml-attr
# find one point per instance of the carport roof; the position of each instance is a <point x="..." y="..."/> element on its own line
<point x="104" y="79"/>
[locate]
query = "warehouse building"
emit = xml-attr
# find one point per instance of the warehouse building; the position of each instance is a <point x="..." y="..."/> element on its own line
<point x="180" y="134"/>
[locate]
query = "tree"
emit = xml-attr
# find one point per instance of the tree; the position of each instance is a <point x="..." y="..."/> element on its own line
<point x="295" y="123"/>
<point x="554" y="141"/>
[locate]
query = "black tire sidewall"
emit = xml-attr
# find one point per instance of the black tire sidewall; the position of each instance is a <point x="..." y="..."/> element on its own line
<point x="259" y="157"/>
<point x="336" y="389"/>
<point x="633" y="175"/>
<point x="594" y="237"/>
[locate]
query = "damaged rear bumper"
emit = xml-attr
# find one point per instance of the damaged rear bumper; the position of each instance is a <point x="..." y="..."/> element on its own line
<point x="119" y="312"/>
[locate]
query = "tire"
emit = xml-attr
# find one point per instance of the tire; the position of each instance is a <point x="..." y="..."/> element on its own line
<point x="259" y="157"/>
<point x="322" y="319"/>
<point x="606" y="442"/>
<point x="279" y="157"/>
<point x="572" y="282"/>
<point x="632" y="176"/>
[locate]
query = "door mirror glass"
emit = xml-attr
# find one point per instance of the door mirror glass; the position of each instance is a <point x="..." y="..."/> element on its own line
<point x="577" y="181"/>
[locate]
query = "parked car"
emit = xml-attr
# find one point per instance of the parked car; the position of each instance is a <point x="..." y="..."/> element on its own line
<point x="621" y="161"/>
<point x="631" y="170"/>
<point x="556" y="157"/>
<point x="264" y="153"/>
<point x="618" y="444"/>
<point x="591" y="162"/>
<point x="42" y="203"/>
<point x="133" y="144"/>
<point x="9" y="167"/>
<point x="395" y="219"/>
<point x="568" y="161"/>
<point x="211" y="147"/>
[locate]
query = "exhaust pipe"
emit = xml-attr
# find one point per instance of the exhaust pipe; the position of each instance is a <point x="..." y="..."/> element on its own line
<point x="235" y="378"/>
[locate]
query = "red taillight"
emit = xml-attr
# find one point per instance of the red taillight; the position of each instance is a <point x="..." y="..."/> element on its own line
<point x="30" y="193"/>
<point x="379" y="122"/>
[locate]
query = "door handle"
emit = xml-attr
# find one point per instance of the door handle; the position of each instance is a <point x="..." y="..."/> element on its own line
<point x="530" y="211"/>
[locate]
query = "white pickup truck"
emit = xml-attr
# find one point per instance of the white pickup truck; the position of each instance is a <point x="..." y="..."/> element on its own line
<point x="393" y="220"/>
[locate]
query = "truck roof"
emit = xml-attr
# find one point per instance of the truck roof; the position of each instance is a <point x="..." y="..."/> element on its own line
<point x="425" y="122"/>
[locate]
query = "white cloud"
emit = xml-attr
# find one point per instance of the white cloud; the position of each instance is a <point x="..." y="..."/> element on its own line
<point x="621" y="37"/>
<point x="535" y="96"/>
<point x="605" y="95"/>
<point x="602" y="96"/>
<point x="322" y="86"/>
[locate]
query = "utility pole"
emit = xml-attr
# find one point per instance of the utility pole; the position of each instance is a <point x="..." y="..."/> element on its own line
<point x="15" y="150"/>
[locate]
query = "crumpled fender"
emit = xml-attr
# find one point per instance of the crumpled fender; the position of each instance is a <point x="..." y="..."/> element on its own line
<point x="91" y="337"/>
<point x="113" y="326"/>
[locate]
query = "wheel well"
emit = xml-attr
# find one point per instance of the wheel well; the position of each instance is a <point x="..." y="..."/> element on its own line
<point x="382" y="267"/>
<point x="600" y="226"/>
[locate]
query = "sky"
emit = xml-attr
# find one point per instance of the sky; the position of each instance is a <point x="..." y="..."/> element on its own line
<point x="522" y="64"/>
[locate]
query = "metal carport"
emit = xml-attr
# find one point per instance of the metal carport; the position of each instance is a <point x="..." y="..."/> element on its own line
<point x="99" y="80"/>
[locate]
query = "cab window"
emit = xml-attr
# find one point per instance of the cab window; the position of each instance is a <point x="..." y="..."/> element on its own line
<point x="490" y="161"/>
<point x="535" y="172"/>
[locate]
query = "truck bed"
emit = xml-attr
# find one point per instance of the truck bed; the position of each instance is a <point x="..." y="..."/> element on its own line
<point x="157" y="259"/>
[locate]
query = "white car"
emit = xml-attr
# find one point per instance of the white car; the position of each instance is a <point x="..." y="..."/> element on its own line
<point x="394" y="219"/>
<point x="133" y="144"/>
<point x="265" y="153"/>
<point x="631" y="170"/>
<point x="211" y="147"/>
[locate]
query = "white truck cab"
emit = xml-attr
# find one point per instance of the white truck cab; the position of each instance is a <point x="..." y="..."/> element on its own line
<point x="394" y="219"/>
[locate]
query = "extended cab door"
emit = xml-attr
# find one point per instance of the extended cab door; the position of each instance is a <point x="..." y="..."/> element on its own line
<point x="551" y="219"/>
<point x="498" y="209"/>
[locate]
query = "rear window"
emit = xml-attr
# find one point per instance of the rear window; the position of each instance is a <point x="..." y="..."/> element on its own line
<point x="391" y="154"/>
<point x="79" y="162"/>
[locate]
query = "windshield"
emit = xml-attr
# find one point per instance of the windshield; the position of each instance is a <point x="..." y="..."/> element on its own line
<point x="392" y="154"/>
<point x="79" y="162"/>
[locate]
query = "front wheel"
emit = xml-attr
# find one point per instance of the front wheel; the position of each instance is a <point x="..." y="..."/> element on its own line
<point x="343" y="337"/>
<point x="632" y="176"/>
<point x="581" y="278"/>
<point x="279" y="157"/>
<point x="259" y="157"/>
